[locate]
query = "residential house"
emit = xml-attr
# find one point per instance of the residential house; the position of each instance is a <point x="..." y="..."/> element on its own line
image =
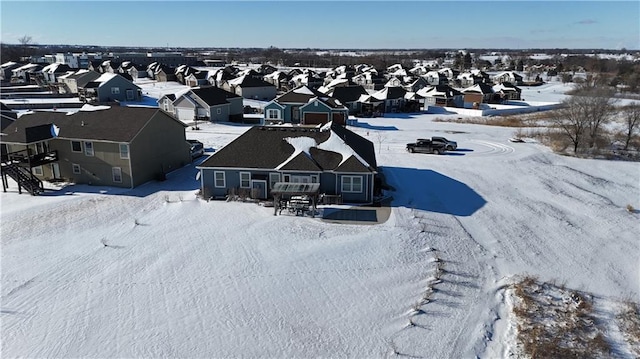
<point x="136" y="71"/>
<point x="508" y="91"/>
<point x="110" y="87"/>
<point x="279" y="79"/>
<point x="388" y="99"/>
<point x="370" y="80"/>
<point x="304" y="105"/>
<point x="96" y="65"/>
<point x="340" y="161"/>
<point x="450" y="74"/>
<point x="119" y="146"/>
<point x="164" y="73"/>
<point x="308" y="78"/>
<point x="348" y="96"/>
<point x="198" y="78"/>
<point x="6" y="70"/>
<point x="25" y="74"/>
<point x="441" y="95"/>
<point x="208" y="104"/>
<point x="251" y="88"/>
<point x="72" y="82"/>
<point x="470" y="78"/>
<point x="477" y="94"/>
<point x="52" y="72"/>
<point x="508" y="76"/>
<point x="415" y="85"/>
<point x="435" y="78"/>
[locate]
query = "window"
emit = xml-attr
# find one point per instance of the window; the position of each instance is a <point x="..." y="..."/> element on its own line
<point x="129" y="95"/>
<point x="88" y="148"/>
<point x="352" y="184"/>
<point x="115" y="90"/>
<point x="37" y="170"/>
<point x="76" y="146"/>
<point x="273" y="178"/>
<point x="117" y="174"/>
<point x="76" y="168"/>
<point x="273" y="114"/>
<point x="219" y="179"/>
<point x="124" y="151"/>
<point x="219" y="111"/>
<point x="245" y="179"/>
<point x="286" y="178"/>
<point x="314" y="179"/>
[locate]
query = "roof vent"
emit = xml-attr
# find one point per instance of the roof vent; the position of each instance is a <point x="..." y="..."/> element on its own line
<point x="82" y="123"/>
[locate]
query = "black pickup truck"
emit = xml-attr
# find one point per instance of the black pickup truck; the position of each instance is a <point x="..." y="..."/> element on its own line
<point x="427" y="146"/>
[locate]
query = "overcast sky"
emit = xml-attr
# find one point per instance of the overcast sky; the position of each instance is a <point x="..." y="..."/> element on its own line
<point x="327" y="24"/>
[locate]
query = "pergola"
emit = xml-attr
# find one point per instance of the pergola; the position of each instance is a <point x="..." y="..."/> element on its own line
<point x="297" y="197"/>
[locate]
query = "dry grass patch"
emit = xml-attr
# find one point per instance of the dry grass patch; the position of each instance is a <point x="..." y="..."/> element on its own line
<point x="553" y="322"/>
<point x="629" y="324"/>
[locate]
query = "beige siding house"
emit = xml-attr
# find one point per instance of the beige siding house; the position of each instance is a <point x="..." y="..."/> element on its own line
<point x="120" y="146"/>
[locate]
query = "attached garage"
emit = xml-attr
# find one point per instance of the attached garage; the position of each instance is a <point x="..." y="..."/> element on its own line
<point x="338" y="118"/>
<point x="315" y="118"/>
<point x="185" y="114"/>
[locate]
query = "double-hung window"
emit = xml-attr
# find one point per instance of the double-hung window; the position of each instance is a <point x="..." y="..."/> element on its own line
<point x="76" y="146"/>
<point x="88" y="148"/>
<point x="124" y="151"/>
<point x="245" y="179"/>
<point x="117" y="174"/>
<point x="273" y="114"/>
<point x="352" y="184"/>
<point x="219" y="179"/>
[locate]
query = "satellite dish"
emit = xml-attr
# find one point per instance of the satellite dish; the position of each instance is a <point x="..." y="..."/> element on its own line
<point x="55" y="130"/>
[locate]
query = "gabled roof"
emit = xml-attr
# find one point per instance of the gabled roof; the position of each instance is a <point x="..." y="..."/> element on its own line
<point x="347" y="94"/>
<point x="106" y="77"/>
<point x="444" y="91"/>
<point x="296" y="149"/>
<point x="390" y="93"/>
<point x="246" y="81"/>
<point x="480" y="87"/>
<point x="300" y="94"/>
<point x="506" y="87"/>
<point x="116" y="124"/>
<point x="213" y="95"/>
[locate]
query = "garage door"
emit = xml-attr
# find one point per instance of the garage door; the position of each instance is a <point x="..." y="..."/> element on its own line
<point x="185" y="114"/>
<point x="338" y="118"/>
<point x="315" y="118"/>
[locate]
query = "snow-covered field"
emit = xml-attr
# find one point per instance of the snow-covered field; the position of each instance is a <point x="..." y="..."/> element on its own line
<point x="182" y="277"/>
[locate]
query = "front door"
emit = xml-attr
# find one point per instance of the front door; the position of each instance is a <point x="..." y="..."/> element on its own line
<point x="55" y="170"/>
<point x="259" y="189"/>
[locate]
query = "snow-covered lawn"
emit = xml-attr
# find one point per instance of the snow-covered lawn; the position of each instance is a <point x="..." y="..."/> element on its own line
<point x="182" y="277"/>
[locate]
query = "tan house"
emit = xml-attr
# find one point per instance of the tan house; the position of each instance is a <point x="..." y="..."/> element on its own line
<point x="119" y="146"/>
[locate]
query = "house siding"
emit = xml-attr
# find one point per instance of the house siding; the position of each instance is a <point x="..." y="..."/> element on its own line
<point x="259" y="93"/>
<point x="223" y="116"/>
<point x="105" y="95"/>
<point x="95" y="170"/>
<point x="160" y="148"/>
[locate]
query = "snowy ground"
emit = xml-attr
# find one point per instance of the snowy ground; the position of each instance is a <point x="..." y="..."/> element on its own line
<point x="182" y="277"/>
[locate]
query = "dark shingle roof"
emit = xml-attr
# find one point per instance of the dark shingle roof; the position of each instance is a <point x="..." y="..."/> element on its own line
<point x="117" y="124"/>
<point x="348" y="93"/>
<point x="214" y="95"/>
<point x="249" y="81"/>
<point x="265" y="147"/>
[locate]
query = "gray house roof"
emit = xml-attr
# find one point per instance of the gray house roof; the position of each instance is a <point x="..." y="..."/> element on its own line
<point x="270" y="147"/>
<point x="213" y="96"/>
<point x="116" y="124"/>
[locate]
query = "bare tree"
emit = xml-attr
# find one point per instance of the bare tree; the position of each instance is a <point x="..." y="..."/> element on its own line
<point x="25" y="41"/>
<point x="600" y="102"/>
<point x="570" y="119"/>
<point x="631" y="116"/>
<point x="583" y="115"/>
